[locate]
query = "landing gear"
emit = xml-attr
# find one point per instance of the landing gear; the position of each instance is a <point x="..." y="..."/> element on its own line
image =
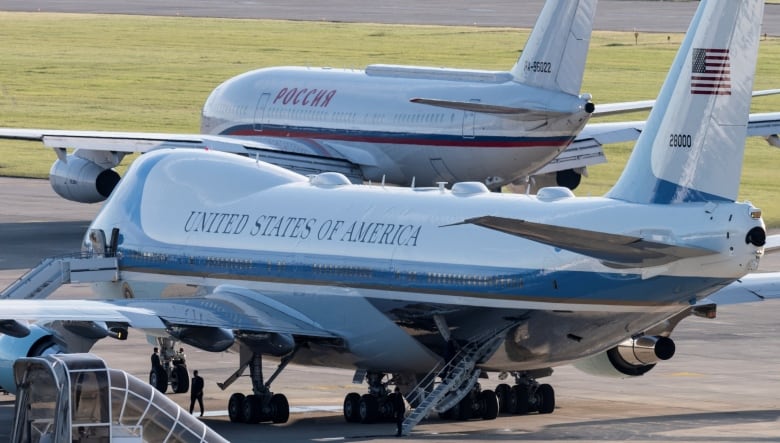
<point x="481" y="404"/>
<point x="377" y="405"/>
<point x="526" y="396"/>
<point x="262" y="405"/>
<point x="173" y="370"/>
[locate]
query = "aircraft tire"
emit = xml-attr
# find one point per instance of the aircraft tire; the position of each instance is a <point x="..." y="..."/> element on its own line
<point x="252" y="409"/>
<point x="488" y="404"/>
<point x="159" y="379"/>
<point x="180" y="379"/>
<point x="369" y="409"/>
<point x="236" y="407"/>
<point x="504" y="394"/>
<point x="545" y="399"/>
<point x="521" y="399"/>
<point x="352" y="407"/>
<point x="464" y="408"/>
<point x="280" y="409"/>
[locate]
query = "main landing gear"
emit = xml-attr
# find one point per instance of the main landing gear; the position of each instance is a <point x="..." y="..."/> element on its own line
<point x="173" y="371"/>
<point x="261" y="405"/>
<point x="377" y="405"/>
<point x="478" y="403"/>
<point x="525" y="396"/>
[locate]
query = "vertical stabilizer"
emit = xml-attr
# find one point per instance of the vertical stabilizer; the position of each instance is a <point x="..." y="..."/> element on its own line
<point x="692" y="146"/>
<point x="554" y="55"/>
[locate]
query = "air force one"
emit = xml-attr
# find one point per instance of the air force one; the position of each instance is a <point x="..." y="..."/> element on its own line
<point x="220" y="251"/>
<point x="393" y="124"/>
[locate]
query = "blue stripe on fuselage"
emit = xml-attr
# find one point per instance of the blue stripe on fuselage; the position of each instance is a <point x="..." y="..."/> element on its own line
<point x="415" y="277"/>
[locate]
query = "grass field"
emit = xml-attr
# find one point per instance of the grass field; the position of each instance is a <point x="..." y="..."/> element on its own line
<point x="153" y="73"/>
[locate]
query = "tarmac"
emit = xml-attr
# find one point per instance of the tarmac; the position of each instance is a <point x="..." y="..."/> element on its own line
<point x="723" y="385"/>
<point x="611" y="15"/>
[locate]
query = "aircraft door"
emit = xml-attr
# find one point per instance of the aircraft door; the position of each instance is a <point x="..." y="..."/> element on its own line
<point x="469" y="118"/>
<point x="260" y="111"/>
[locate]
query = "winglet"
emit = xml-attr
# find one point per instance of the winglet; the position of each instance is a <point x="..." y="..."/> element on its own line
<point x="554" y="55"/>
<point x="692" y="146"/>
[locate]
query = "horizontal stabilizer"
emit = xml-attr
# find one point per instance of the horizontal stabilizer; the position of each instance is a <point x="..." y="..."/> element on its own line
<point x="750" y="288"/>
<point x="525" y="113"/>
<point x="772" y="245"/>
<point x="643" y="105"/>
<point x="614" y="250"/>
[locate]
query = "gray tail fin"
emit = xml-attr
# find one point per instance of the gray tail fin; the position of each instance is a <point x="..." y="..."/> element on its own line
<point x="554" y="55"/>
<point x="694" y="141"/>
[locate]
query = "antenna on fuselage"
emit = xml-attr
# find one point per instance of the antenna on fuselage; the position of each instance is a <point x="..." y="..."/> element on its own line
<point x="383" y="180"/>
<point x="413" y="178"/>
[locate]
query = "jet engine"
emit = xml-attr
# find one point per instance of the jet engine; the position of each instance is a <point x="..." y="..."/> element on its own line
<point x="81" y="180"/>
<point x="631" y="358"/>
<point x="55" y="338"/>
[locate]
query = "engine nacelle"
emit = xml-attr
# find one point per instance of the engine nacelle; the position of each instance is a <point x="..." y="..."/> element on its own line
<point x="208" y="338"/>
<point x="81" y="180"/>
<point x="632" y="358"/>
<point x="39" y="341"/>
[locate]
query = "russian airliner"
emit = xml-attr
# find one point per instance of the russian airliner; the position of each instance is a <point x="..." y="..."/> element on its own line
<point x="391" y="124"/>
<point x="400" y="282"/>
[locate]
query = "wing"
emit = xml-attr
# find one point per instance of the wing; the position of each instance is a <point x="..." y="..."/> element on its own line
<point x="228" y="307"/>
<point x="619" y="251"/>
<point x="302" y="157"/>
<point x="595" y="135"/>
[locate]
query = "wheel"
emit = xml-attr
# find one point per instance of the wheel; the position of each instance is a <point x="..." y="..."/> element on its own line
<point x="464" y="408"/>
<point x="352" y="407"/>
<point x="449" y="414"/>
<point x="503" y="393"/>
<point x="159" y="379"/>
<point x="252" y="410"/>
<point x="488" y="406"/>
<point x="280" y="409"/>
<point x="520" y="399"/>
<point x="180" y="379"/>
<point x="545" y="399"/>
<point x="387" y="408"/>
<point x="368" y="408"/>
<point x="236" y="408"/>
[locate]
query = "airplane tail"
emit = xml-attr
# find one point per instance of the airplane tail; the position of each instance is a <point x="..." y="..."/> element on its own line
<point x="692" y="147"/>
<point x="554" y="55"/>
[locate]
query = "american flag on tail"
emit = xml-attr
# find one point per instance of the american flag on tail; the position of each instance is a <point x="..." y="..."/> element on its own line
<point x="710" y="72"/>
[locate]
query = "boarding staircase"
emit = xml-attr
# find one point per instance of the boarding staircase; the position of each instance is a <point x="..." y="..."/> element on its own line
<point x="51" y="273"/>
<point x="458" y="379"/>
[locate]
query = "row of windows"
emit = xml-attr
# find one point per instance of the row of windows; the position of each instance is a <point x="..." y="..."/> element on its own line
<point x="281" y="113"/>
<point x="344" y="271"/>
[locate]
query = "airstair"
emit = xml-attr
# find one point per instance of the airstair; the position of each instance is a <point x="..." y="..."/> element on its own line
<point x="51" y="273"/>
<point x="77" y="398"/>
<point x="458" y="379"/>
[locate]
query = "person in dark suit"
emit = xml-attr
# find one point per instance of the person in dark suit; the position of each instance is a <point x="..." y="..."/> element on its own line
<point x="399" y="410"/>
<point x="196" y="392"/>
<point x="156" y="359"/>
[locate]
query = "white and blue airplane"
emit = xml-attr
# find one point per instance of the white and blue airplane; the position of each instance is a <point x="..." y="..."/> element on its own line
<point x="221" y="251"/>
<point x="393" y="124"/>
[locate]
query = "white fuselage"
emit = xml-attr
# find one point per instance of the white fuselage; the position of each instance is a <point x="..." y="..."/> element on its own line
<point x="367" y="118"/>
<point x="367" y="261"/>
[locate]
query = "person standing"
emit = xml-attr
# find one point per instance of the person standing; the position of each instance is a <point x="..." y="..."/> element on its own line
<point x="196" y="392"/>
<point x="399" y="410"/>
<point x="156" y="359"/>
